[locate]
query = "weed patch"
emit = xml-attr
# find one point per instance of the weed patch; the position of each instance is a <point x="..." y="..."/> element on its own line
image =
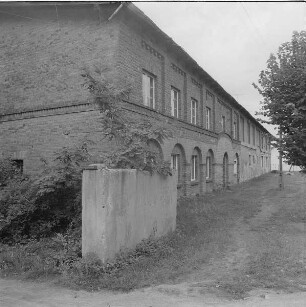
<point x="203" y="247"/>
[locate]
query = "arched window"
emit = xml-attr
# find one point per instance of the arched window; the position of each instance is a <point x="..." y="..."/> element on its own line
<point x="209" y="165"/>
<point x="225" y="170"/>
<point x="155" y="148"/>
<point x="178" y="161"/>
<point x="195" y="164"/>
<point x="237" y="168"/>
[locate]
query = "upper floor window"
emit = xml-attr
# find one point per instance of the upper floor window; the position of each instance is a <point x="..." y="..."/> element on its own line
<point x="194" y="106"/>
<point x="208" y="118"/>
<point x="148" y="89"/>
<point x="174" y="102"/>
<point x="223" y="123"/>
<point x="194" y="168"/>
<point x="242" y="128"/>
<point x="235" y="130"/>
<point x="249" y="133"/>
<point x="253" y="136"/>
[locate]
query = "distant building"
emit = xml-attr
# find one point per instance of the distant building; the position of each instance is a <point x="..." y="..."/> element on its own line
<point x="43" y="105"/>
<point x="275" y="162"/>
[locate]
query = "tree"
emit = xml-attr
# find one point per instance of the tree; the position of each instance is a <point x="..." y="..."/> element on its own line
<point x="283" y="87"/>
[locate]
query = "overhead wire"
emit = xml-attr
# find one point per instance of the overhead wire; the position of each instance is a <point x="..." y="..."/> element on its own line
<point x="254" y="26"/>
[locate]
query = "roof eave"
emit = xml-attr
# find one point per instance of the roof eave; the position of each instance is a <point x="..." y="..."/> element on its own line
<point x="135" y="10"/>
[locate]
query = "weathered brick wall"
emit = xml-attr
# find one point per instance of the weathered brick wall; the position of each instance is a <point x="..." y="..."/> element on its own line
<point x="39" y="137"/>
<point x="43" y="71"/>
<point x="42" y="56"/>
<point x="142" y="51"/>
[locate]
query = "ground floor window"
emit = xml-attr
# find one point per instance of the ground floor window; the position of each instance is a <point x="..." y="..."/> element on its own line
<point x="174" y="161"/>
<point x="208" y="168"/>
<point x="18" y="165"/>
<point x="194" y="168"/>
<point x="235" y="167"/>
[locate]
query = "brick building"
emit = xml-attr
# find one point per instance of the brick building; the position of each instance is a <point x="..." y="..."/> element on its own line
<point x="44" y="106"/>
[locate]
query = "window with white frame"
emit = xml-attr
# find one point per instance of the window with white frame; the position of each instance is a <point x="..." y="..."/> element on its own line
<point x="174" y="102"/>
<point x="208" y="118"/>
<point x="208" y="167"/>
<point x="235" y="130"/>
<point x="194" y="168"/>
<point x="242" y="128"/>
<point x="254" y="138"/>
<point x="175" y="161"/>
<point x="194" y="106"/>
<point x="249" y="133"/>
<point x="223" y="123"/>
<point x="148" y="89"/>
<point x="235" y="167"/>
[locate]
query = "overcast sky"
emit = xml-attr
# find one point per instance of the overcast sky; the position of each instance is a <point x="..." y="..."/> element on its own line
<point x="231" y="41"/>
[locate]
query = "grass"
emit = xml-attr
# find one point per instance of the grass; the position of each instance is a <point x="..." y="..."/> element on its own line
<point x="204" y="247"/>
<point x="276" y="246"/>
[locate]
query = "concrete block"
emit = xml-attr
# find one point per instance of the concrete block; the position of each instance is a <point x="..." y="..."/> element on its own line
<point x="120" y="208"/>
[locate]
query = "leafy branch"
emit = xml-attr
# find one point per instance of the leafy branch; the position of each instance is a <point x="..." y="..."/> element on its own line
<point x="132" y="137"/>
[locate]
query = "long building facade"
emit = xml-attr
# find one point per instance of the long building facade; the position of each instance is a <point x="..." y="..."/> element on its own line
<point x="44" y="106"/>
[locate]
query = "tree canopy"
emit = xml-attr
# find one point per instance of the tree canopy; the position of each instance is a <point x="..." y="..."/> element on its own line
<point x="283" y="87"/>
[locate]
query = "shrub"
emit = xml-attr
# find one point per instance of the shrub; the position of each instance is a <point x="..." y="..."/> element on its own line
<point x="50" y="203"/>
<point x="43" y="257"/>
<point x="8" y="170"/>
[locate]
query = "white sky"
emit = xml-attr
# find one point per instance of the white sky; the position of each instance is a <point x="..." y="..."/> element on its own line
<point x="231" y="41"/>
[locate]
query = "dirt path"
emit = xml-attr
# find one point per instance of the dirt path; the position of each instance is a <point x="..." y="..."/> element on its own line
<point x="267" y="250"/>
<point x="27" y="294"/>
<point x="263" y="262"/>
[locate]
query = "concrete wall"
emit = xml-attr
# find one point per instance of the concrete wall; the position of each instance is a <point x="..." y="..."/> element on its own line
<point x="123" y="207"/>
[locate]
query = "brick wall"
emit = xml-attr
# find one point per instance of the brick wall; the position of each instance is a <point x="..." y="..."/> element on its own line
<point x="43" y="73"/>
<point x="42" y="57"/>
